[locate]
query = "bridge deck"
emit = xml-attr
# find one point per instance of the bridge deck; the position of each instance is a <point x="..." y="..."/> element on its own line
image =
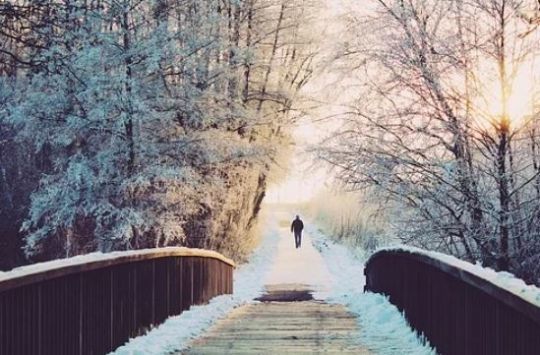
<point x="287" y="321"/>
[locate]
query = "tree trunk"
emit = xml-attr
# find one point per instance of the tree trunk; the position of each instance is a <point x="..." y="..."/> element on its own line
<point x="272" y="57"/>
<point x="128" y="124"/>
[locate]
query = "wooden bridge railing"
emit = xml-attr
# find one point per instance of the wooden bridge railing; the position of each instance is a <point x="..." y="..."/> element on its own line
<point x="87" y="306"/>
<point x="458" y="311"/>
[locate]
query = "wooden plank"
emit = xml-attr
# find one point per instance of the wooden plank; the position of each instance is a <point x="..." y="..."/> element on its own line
<point x="39" y="272"/>
<point x="282" y="327"/>
<point x="494" y="291"/>
<point x="99" y="309"/>
<point x="456" y="310"/>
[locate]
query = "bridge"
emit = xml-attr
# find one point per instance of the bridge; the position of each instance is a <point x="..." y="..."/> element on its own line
<point x="94" y="304"/>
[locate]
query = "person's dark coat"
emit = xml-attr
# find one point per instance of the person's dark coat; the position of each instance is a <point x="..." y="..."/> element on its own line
<point x="297" y="226"/>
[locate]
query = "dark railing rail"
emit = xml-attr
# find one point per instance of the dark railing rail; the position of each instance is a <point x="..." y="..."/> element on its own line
<point x="457" y="311"/>
<point x="86" y="306"/>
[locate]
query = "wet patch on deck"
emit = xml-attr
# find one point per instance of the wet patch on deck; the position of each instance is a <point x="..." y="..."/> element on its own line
<point x="286" y="293"/>
<point x="286" y="296"/>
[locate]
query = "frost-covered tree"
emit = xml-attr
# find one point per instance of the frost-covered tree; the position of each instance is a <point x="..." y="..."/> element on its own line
<point x="443" y="127"/>
<point x="160" y="118"/>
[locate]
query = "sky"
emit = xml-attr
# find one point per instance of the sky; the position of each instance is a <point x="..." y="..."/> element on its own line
<point x="303" y="181"/>
<point x="307" y="176"/>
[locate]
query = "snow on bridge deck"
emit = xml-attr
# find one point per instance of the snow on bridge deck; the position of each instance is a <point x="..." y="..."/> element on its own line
<point x="280" y="327"/>
<point x="288" y="320"/>
<point x="340" y="319"/>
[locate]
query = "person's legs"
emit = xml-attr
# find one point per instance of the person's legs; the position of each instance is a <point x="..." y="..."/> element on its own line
<point x="297" y="239"/>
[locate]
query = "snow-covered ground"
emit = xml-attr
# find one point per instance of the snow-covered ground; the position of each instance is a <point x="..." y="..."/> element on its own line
<point x="382" y="328"/>
<point x="304" y="266"/>
<point x="331" y="270"/>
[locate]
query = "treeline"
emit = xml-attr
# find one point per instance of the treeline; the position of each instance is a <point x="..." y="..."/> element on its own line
<point x="129" y="124"/>
<point x="349" y="218"/>
<point x="444" y="127"/>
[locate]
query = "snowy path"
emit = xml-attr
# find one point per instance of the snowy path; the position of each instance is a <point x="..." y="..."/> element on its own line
<point x="288" y="320"/>
<point x="298" y="266"/>
<point x="330" y="270"/>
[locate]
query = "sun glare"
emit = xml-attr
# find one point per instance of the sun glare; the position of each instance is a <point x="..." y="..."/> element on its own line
<point x="519" y="103"/>
<point x="300" y="187"/>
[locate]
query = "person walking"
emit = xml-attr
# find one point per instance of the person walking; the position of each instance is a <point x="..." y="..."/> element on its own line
<point x="297" y="226"/>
